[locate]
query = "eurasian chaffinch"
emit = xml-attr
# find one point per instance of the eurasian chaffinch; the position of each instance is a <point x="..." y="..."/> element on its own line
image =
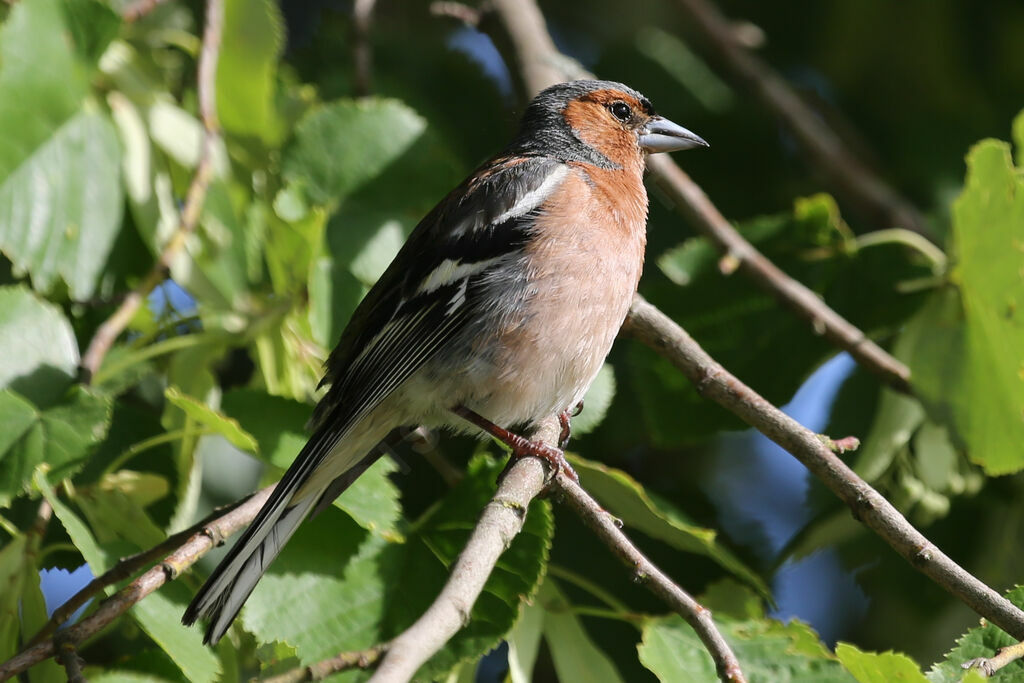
<point x="499" y="310"/>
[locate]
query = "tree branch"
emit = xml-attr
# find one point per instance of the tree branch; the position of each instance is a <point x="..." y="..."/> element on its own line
<point x="120" y="602"/>
<point x="112" y="327"/>
<point x="825" y="150"/>
<point x="126" y="566"/>
<point x="501" y="520"/>
<point x="362" y="50"/>
<point x="647" y="573"/>
<point x="658" y="331"/>
<point x="542" y="65"/>
<point x="1003" y="657"/>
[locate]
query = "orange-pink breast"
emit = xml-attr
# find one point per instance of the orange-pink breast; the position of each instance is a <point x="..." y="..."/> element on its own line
<point x="585" y="266"/>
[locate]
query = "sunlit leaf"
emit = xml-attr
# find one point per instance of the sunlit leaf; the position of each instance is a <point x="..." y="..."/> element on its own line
<point x="873" y="667"/>
<point x="212" y="419"/>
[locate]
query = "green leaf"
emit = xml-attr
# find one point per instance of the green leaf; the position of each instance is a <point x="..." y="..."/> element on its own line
<point x="627" y="499"/>
<point x="83" y="539"/>
<point x="524" y="642"/>
<point x="160" y="618"/>
<point x="988" y="230"/>
<point x="33" y="618"/>
<point x="251" y="42"/>
<point x="872" y="667"/>
<point x="212" y="419"/>
<point x="12" y="577"/>
<point x="60" y="208"/>
<point x="93" y="26"/>
<point x="897" y="418"/>
<point x="576" y="657"/>
<point x="342" y="145"/>
<point x="40" y="351"/>
<point x="980" y="641"/>
<point x="767" y="651"/>
<point x="596" y="402"/>
<point x="60" y="436"/>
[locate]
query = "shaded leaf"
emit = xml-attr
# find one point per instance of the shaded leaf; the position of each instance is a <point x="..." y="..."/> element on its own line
<point x="627" y="499"/>
<point x="212" y="419"/>
<point x="60" y="436"/>
<point x="596" y="401"/>
<point x="575" y="655"/>
<point x="40" y="351"/>
<point x="767" y="650"/>
<point x="342" y="145"/>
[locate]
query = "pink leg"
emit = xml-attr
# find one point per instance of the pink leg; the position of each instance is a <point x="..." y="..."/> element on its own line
<point x="521" y="447"/>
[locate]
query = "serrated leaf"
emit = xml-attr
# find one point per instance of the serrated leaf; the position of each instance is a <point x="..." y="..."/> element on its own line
<point x="767" y="650"/>
<point x="627" y="499"/>
<point x="212" y="419"/>
<point x="981" y="641"/>
<point x="874" y="667"/>
<point x="988" y="230"/>
<point x="575" y="656"/>
<point x="60" y="195"/>
<point x="251" y="42"/>
<point x="40" y="351"/>
<point x="342" y="145"/>
<point x="61" y="436"/>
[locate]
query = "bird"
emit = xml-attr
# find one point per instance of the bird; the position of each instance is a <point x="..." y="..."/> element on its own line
<point x="497" y="312"/>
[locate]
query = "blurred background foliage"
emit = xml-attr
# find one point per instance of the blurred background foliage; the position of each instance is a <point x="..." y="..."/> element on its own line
<point x="314" y="189"/>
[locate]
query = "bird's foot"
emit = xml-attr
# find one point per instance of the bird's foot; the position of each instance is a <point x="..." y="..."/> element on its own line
<point x="521" y="446"/>
<point x="564" y="419"/>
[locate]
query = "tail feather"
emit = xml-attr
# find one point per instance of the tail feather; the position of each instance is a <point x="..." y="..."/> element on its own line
<point x="224" y="593"/>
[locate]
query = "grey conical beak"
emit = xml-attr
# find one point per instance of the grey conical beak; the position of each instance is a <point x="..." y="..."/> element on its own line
<point x="661" y="135"/>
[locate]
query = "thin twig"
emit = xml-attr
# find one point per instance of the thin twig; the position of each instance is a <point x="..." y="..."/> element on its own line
<point x="501" y="520"/>
<point x="1003" y="657"/>
<point x="647" y="573"/>
<point x="542" y="65"/>
<point x="112" y="327"/>
<point x="362" y="50"/>
<point x="363" y="659"/>
<point x="125" y="567"/>
<point x="67" y="657"/>
<point x="850" y="177"/>
<point x="113" y="607"/>
<point x="658" y="331"/>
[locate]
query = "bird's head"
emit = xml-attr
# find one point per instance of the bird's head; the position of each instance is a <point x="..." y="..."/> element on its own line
<point x="600" y="122"/>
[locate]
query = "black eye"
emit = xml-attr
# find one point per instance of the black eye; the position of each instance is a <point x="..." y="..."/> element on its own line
<point x="621" y="111"/>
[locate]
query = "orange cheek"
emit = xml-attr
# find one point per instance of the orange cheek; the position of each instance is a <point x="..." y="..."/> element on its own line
<point x="594" y="127"/>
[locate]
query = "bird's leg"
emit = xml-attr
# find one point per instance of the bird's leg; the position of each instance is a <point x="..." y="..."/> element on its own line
<point x="564" y="418"/>
<point x="521" y="447"/>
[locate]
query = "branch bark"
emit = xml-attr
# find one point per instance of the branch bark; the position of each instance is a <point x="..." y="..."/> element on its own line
<point x="826" y="151"/>
<point x="112" y="327"/>
<point x="542" y="65"/>
<point x="120" y="602"/>
<point x="658" y="331"/>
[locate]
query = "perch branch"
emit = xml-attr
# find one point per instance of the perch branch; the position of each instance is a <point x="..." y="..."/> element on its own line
<point x="1003" y="657"/>
<point x="542" y="65"/>
<point x="112" y="327"/>
<point x="120" y="602"/>
<point x="658" y="331"/>
<point x="826" y="151"/>
<point x="501" y="520"/>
